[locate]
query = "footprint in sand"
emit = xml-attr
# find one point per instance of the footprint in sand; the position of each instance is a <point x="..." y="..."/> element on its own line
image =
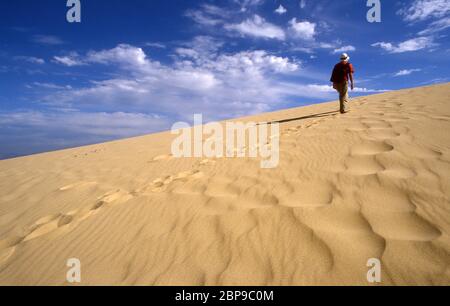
<point x="206" y="162"/>
<point x="440" y="118"/>
<point x="162" y="157"/>
<point x="41" y="228"/>
<point x="10" y="242"/>
<point x="313" y="123"/>
<point x="6" y="254"/>
<point x="297" y="130"/>
<point x="161" y="184"/>
<point x="191" y="187"/>
<point x="49" y="224"/>
<point x="8" y="247"/>
<point x="115" y="196"/>
<point x="373" y="124"/>
<point x="77" y="185"/>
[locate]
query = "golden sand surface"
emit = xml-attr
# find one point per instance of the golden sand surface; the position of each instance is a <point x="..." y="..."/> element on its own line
<point x="373" y="183"/>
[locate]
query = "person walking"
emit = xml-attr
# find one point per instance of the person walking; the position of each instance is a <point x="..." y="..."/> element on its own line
<point x="342" y="74"/>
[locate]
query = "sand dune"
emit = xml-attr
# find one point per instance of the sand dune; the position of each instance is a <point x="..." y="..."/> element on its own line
<point x="374" y="183"/>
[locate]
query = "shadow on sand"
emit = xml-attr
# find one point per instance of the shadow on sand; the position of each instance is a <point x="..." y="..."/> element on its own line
<point x="320" y="115"/>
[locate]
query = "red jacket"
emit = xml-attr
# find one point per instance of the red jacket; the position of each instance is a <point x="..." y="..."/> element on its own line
<point x="342" y="72"/>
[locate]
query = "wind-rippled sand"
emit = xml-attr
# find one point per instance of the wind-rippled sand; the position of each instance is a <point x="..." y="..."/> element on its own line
<point x="374" y="183"/>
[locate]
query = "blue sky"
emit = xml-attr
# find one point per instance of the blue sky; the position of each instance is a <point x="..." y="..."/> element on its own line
<point x="138" y="66"/>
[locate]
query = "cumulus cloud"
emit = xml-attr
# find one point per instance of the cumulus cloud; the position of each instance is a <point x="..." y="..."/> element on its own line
<point x="123" y="54"/>
<point x="345" y="49"/>
<point x="421" y="10"/>
<point x="303" y="29"/>
<point x="406" y="72"/>
<point x="219" y="84"/>
<point x="410" y="45"/>
<point x="281" y="10"/>
<point x="201" y="79"/>
<point x="257" y="27"/>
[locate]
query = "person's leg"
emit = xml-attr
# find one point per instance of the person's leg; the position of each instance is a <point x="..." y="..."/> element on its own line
<point x="340" y="89"/>
<point x="346" y="101"/>
<point x="343" y="97"/>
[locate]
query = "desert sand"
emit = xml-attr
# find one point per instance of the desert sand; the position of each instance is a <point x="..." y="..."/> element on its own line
<point x="373" y="183"/>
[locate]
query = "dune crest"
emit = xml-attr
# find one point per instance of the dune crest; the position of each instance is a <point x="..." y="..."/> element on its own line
<point x="373" y="183"/>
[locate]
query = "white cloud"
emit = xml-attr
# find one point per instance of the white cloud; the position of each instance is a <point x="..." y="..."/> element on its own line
<point x="122" y="54"/>
<point x="330" y="89"/>
<point x="410" y="45"/>
<point x="406" y="72"/>
<point x="281" y="10"/>
<point x="155" y="45"/>
<point x="208" y="15"/>
<point x="245" y="4"/>
<point x="250" y="2"/>
<point x="31" y="59"/>
<point x="70" y="60"/>
<point x="436" y="26"/>
<point x="218" y="85"/>
<point x="200" y="47"/>
<point x="421" y="10"/>
<point x="203" y="19"/>
<point x="345" y="49"/>
<point x="202" y="79"/>
<point x="47" y="40"/>
<point x="100" y="124"/>
<point x="304" y="29"/>
<point x="50" y="85"/>
<point x="302" y="4"/>
<point x="257" y="27"/>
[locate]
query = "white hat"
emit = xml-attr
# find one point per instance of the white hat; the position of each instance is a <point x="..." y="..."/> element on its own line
<point x="345" y="57"/>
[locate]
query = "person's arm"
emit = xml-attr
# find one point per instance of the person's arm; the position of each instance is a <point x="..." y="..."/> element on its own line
<point x="351" y="80"/>
<point x="351" y="76"/>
